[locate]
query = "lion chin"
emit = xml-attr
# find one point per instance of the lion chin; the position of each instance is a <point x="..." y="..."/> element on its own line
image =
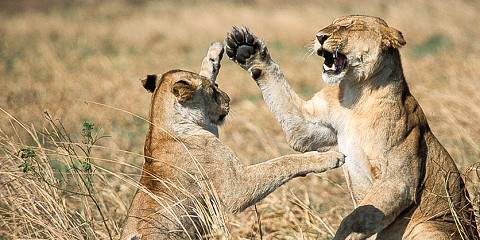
<point x="332" y="79"/>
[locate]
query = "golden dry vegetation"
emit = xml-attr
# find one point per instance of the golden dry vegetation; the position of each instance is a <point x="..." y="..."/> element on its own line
<point x="81" y="62"/>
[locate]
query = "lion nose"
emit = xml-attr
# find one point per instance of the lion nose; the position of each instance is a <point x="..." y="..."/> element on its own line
<point x="322" y="38"/>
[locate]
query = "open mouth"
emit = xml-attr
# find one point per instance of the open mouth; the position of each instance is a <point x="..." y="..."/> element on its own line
<point x="334" y="63"/>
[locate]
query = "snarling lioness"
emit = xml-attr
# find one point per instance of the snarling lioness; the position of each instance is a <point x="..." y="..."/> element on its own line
<point x="404" y="183"/>
<point x="189" y="175"/>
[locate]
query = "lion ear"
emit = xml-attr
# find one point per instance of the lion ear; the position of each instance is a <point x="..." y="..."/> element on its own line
<point x="393" y="38"/>
<point x="183" y="89"/>
<point x="150" y="82"/>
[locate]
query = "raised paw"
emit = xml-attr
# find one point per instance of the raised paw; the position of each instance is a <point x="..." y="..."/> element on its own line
<point x="245" y="48"/>
<point x="215" y="52"/>
<point x="211" y="62"/>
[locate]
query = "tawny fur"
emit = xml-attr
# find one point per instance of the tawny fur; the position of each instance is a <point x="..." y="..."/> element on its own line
<point x="397" y="169"/>
<point x="183" y="153"/>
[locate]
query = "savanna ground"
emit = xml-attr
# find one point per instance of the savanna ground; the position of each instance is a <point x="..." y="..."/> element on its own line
<point x="58" y="182"/>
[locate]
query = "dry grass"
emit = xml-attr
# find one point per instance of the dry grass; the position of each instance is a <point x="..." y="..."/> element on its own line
<point x="56" y="56"/>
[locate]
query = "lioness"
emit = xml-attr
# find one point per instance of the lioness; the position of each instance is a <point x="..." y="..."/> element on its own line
<point x="184" y="155"/>
<point x="403" y="181"/>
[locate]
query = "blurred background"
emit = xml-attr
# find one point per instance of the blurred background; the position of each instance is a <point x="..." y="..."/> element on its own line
<point x="65" y="56"/>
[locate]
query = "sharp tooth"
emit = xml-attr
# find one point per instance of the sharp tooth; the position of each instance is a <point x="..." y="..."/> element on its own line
<point x="326" y="68"/>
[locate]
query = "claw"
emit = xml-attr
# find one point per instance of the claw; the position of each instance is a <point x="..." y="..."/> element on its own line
<point x="231" y="42"/>
<point x="230" y="52"/>
<point x="249" y="38"/>
<point x="238" y="35"/>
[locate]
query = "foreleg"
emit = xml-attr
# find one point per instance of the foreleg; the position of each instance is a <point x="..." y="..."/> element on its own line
<point x="306" y="129"/>
<point x="380" y="207"/>
<point x="257" y="181"/>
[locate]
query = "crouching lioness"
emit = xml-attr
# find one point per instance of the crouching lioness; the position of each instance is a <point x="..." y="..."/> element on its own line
<point x="403" y="181"/>
<point x="189" y="175"/>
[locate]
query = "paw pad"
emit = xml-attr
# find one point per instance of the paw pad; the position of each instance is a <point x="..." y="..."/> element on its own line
<point x="256" y="73"/>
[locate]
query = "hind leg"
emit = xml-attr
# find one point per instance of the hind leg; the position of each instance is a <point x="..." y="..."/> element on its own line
<point x="433" y="230"/>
